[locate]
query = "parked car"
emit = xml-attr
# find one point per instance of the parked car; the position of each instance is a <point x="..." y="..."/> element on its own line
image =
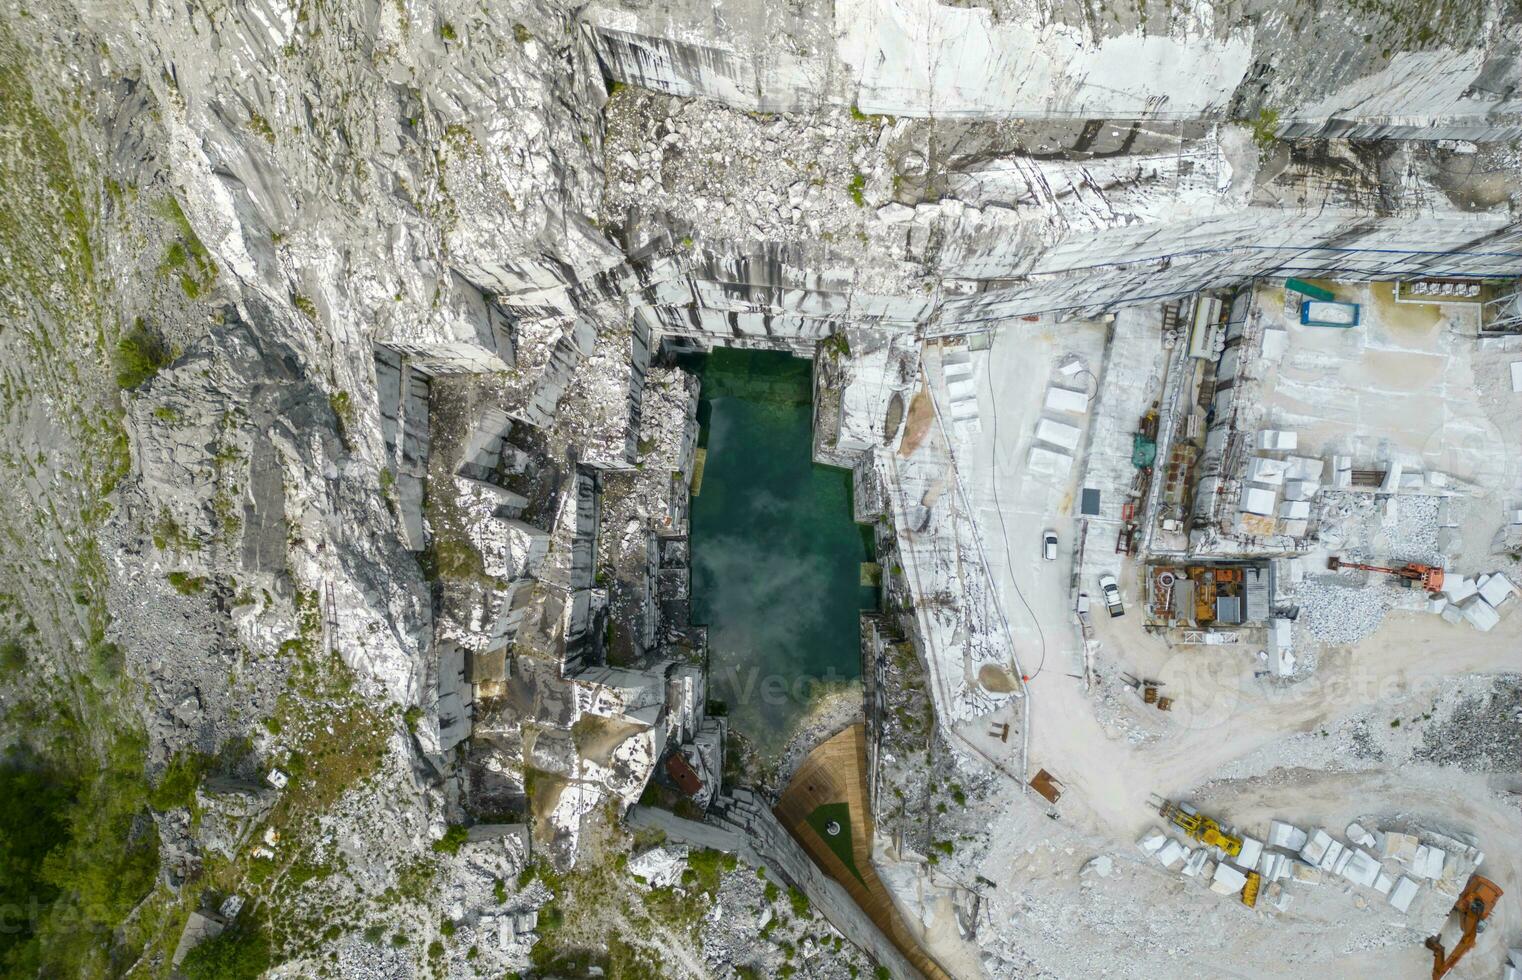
<point x="1049" y="545"/>
<point x="1111" y="590"/>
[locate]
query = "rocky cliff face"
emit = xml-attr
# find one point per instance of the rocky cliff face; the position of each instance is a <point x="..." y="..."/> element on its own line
<point x="1346" y="69"/>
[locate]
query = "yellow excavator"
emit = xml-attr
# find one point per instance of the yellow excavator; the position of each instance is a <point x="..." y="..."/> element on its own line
<point x="1198" y="826"/>
<point x="1473" y="907"/>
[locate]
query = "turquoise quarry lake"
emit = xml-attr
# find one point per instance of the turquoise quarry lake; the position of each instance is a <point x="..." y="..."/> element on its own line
<point x="776" y="557"/>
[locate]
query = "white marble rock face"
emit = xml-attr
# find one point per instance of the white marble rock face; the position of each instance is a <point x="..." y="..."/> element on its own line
<point x="444" y="246"/>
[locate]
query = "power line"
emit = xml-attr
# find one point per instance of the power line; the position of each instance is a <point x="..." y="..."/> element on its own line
<point x="988" y="365"/>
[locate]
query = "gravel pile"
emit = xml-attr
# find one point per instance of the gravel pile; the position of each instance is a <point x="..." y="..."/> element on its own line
<point x="1342" y="608"/>
<point x="1483" y="733"/>
<point x="1411" y="532"/>
<point x="1334" y="611"/>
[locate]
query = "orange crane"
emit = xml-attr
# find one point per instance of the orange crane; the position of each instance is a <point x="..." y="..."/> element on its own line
<point x="1473" y="907"/>
<point x="1429" y="577"/>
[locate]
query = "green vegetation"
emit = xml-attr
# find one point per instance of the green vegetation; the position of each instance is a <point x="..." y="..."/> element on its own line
<point x="242" y="952"/>
<point x="705" y="867"/>
<point x="177" y="786"/>
<point x="798" y="901"/>
<point x="521" y="34"/>
<point x="1265" y="127"/>
<point x="411" y="717"/>
<point x="574" y="926"/>
<point x="261" y="126"/>
<point x="305" y="305"/>
<point x="343" y="411"/>
<point x="451" y="558"/>
<point x="12" y="658"/>
<point x="454" y="838"/>
<point x="186" y="258"/>
<point x="839" y="844"/>
<point x="447" y="32"/>
<point x="858" y="184"/>
<point x="32" y="808"/>
<point x="167" y="534"/>
<point x="186" y="584"/>
<point x="72" y="846"/>
<point x="140" y="354"/>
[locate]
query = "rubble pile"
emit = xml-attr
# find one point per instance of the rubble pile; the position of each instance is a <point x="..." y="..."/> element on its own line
<point x="758" y="924"/>
<point x="1334" y="612"/>
<point x="1481" y="732"/>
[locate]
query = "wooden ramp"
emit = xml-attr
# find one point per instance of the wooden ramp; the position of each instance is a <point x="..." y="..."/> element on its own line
<point x="825" y="809"/>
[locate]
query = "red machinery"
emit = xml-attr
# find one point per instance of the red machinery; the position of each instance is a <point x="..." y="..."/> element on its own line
<point x="1473" y="907"/>
<point x="1429" y="577"/>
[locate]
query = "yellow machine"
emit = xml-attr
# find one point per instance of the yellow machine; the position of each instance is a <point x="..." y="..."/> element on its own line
<point x="1198" y="826"/>
<point x="1250" y="890"/>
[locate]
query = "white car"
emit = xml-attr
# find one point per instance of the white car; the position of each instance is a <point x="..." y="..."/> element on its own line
<point x="1049" y="545"/>
<point x="1111" y="590"/>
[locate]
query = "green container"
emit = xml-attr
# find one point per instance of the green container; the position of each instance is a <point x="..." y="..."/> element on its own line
<point x="1306" y="289"/>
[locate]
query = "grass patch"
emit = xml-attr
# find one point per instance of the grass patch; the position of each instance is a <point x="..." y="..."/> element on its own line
<point x="449" y="558"/>
<point x="798" y="902"/>
<point x="857" y="186"/>
<point x="839" y="844"/>
<point x="33" y="805"/>
<point x="454" y="838"/>
<point x="262" y="126"/>
<point x="186" y="258"/>
<point x="705" y="867"/>
<point x="186" y="584"/>
<point x="12" y="658"/>
<point x="1265" y="127"/>
<point x="177" y="786"/>
<point x="141" y="353"/>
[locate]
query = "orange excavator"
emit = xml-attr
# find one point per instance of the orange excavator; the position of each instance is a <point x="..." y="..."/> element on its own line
<point x="1429" y="577"/>
<point x="1473" y="907"/>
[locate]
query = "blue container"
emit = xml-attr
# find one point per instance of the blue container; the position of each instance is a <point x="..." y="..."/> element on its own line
<point x="1318" y="313"/>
